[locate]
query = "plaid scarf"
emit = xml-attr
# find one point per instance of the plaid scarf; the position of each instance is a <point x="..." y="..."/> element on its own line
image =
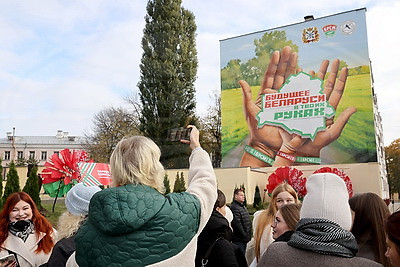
<point x="21" y="229"/>
<point x="324" y="237"/>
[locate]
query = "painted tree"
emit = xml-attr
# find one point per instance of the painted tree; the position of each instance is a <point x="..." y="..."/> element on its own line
<point x="12" y="184"/>
<point x="166" y="184"/>
<point x="392" y="155"/>
<point x="253" y="70"/>
<point x="32" y="186"/>
<point x="168" y="72"/>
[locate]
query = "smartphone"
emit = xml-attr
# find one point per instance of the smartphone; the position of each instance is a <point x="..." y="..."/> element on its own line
<point x="8" y="261"/>
<point x="177" y="134"/>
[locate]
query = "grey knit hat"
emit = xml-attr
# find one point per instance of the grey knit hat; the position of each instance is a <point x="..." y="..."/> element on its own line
<point x="327" y="198"/>
<point x="78" y="198"/>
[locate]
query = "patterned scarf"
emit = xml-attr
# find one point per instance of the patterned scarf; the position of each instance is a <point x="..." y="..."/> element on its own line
<point x="21" y="229"/>
<point x="324" y="237"/>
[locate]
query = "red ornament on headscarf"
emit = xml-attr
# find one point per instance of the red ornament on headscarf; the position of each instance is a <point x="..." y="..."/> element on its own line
<point x="341" y="174"/>
<point x="290" y="175"/>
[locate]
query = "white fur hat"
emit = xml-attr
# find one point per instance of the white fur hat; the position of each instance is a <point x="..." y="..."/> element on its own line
<point x="327" y="198"/>
<point x="78" y="198"/>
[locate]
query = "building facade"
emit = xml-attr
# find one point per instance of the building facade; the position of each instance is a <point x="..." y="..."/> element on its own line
<point x="40" y="148"/>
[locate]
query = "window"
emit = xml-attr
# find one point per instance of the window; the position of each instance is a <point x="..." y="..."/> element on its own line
<point x="31" y="154"/>
<point x="44" y="155"/>
<point x="7" y="155"/>
<point x="56" y="152"/>
<point x="20" y="154"/>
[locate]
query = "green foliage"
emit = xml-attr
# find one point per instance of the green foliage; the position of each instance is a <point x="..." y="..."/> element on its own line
<point x="392" y="157"/>
<point x="168" y="72"/>
<point x="231" y="74"/>
<point x="182" y="182"/>
<point x="32" y="187"/>
<point x="257" y="198"/>
<point x="166" y="184"/>
<point x="179" y="185"/>
<point x="253" y="70"/>
<point x="364" y="69"/>
<point x="342" y="64"/>
<point x="12" y="184"/>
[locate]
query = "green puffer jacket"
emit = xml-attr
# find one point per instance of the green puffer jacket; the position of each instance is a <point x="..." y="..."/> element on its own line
<point x="135" y="225"/>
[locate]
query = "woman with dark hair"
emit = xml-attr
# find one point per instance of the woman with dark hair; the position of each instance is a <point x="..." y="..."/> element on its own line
<point x="214" y="247"/>
<point x="24" y="232"/>
<point x="370" y="213"/>
<point x="393" y="238"/>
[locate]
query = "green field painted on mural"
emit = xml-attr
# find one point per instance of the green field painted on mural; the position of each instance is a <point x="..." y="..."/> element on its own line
<point x="357" y="138"/>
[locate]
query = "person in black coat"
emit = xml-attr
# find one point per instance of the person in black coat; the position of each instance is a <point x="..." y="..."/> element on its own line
<point x="241" y="223"/>
<point x="214" y="247"/>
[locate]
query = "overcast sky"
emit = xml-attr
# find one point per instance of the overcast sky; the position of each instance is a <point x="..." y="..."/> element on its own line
<point x="61" y="62"/>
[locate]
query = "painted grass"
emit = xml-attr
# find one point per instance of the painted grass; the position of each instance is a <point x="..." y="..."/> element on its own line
<point x="357" y="138"/>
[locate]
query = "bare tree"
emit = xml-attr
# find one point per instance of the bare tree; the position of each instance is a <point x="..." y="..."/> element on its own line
<point x="110" y="126"/>
<point x="211" y="129"/>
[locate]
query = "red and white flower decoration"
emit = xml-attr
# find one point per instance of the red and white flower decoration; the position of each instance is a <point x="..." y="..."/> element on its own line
<point x="342" y="175"/>
<point x="290" y="175"/>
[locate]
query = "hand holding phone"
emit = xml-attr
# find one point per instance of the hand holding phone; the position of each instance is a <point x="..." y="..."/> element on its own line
<point x="194" y="137"/>
<point x="8" y="261"/>
<point x="178" y="134"/>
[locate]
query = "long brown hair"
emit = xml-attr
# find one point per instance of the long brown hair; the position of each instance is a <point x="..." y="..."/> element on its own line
<point x="267" y="216"/>
<point x="392" y="227"/>
<point x="291" y="214"/>
<point x="370" y="214"/>
<point x="40" y="223"/>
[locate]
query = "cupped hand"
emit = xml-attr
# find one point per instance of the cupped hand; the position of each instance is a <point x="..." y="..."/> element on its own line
<point x="267" y="138"/>
<point x="333" y="88"/>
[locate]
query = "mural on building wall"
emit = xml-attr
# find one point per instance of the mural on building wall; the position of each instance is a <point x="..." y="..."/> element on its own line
<point x="305" y="95"/>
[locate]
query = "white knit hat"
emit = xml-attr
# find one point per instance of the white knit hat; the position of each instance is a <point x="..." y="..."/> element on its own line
<point x="327" y="198"/>
<point x="78" y="198"/>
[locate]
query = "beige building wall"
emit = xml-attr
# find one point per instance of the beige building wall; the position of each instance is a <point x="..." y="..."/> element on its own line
<point x="365" y="177"/>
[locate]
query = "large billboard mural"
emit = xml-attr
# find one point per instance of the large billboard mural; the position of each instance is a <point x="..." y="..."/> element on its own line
<point x="299" y="94"/>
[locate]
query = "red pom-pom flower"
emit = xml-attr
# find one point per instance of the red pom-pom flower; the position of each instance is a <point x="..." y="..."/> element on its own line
<point x="290" y="175"/>
<point x="341" y="174"/>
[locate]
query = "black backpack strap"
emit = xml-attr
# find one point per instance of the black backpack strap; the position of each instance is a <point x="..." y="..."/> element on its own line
<point x="204" y="260"/>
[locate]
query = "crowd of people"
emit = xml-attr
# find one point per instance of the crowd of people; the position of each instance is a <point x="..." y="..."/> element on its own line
<point x="133" y="223"/>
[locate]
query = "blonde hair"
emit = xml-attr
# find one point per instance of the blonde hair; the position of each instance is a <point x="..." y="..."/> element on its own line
<point x="267" y="216"/>
<point x="136" y="160"/>
<point x="68" y="225"/>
